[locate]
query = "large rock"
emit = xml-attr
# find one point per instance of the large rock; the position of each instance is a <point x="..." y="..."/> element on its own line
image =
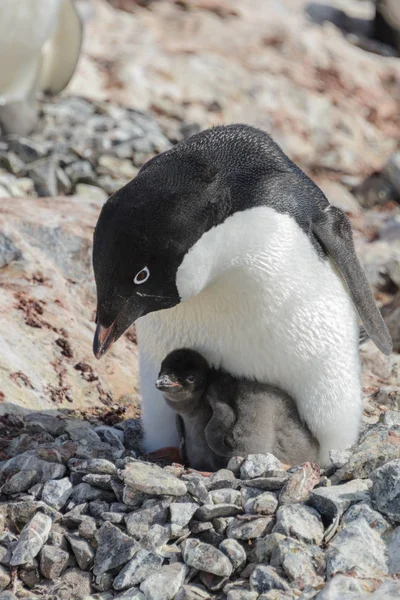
<point x="47" y="302"/>
<point x="386" y="489"/>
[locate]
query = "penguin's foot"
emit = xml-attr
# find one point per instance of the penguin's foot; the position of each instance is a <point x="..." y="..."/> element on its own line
<point x="166" y="456"/>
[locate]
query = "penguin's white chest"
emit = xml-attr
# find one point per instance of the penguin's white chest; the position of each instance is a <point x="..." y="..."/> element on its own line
<point x="259" y="302"/>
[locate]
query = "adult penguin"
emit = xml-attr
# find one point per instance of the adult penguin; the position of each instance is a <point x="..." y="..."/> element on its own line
<point x="223" y="245"/>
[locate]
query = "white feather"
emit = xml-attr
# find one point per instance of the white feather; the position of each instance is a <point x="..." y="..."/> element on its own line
<point x="259" y="302"/>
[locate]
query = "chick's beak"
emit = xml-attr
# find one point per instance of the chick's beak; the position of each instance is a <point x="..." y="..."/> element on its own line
<point x="166" y="383"/>
<point x="103" y="339"/>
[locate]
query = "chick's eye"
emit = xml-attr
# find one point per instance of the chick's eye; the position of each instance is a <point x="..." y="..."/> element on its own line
<point x="190" y="378"/>
<point x="142" y="276"/>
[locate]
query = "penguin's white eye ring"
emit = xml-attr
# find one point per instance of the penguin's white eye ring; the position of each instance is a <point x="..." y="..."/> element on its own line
<point x="142" y="276"/>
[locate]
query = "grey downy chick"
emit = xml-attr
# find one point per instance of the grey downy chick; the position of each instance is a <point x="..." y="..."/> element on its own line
<point x="183" y="380"/>
<point x="255" y="418"/>
<point x="220" y="416"/>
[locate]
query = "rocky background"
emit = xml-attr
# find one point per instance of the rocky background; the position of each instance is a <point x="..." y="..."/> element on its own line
<point x="79" y="516"/>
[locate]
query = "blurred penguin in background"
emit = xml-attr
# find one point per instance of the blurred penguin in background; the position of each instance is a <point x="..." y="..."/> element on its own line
<point x="40" y="43"/>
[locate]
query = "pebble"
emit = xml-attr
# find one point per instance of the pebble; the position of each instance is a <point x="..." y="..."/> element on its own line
<point x="151" y="479"/>
<point x="33" y="536"/>
<point x="114" y="549"/>
<point x="263" y="504"/>
<point x="5" y="578"/>
<point x="53" y="561"/>
<point x="301" y="563"/>
<point x="300" y="483"/>
<point x="206" y="558"/>
<point x="362" y="510"/>
<point x="241" y="595"/>
<point x="235" y="552"/>
<point x="301" y="522"/>
<point x="181" y="513"/>
<point x="165" y="584"/>
<point x="19" y="482"/>
<point x="139" y="522"/>
<point x="208" y="512"/>
<point x="394" y="553"/>
<point x="143" y="564"/>
<point x="334" y="500"/>
<point x="248" y="527"/>
<point x="82" y="550"/>
<point x="265" y="578"/>
<point x="260" y="465"/>
<point x="57" y="492"/>
<point x="225" y="496"/>
<point x="96" y="466"/>
<point x="386" y="489"/>
<point x="357" y="550"/>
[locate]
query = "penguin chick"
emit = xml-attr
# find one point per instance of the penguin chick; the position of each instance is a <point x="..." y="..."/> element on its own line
<point x="256" y="418"/>
<point x="223" y="416"/>
<point x="183" y="380"/>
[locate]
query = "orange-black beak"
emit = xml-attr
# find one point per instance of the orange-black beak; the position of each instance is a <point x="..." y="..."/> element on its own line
<point x="104" y="337"/>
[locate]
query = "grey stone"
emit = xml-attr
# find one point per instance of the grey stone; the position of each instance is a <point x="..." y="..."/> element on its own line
<point x="364" y="511"/>
<point x="33" y="536"/>
<point x="133" y="434"/>
<point x="53" y="561"/>
<point x="265" y="578"/>
<point x="266" y="545"/>
<point x="386" y="489"/>
<point x="301" y="522"/>
<point x="181" y="514"/>
<point x="221" y="479"/>
<point x="8" y="251"/>
<point x="111" y="436"/>
<point x="193" y="592"/>
<point x="74" y="585"/>
<point x="5" y="578"/>
<point x="101" y="481"/>
<point x="165" y="584"/>
<point x="302" y="564"/>
<point x="234" y="465"/>
<point x="196" y="486"/>
<point x="235" y="552"/>
<point x="206" y="558"/>
<point x="7" y="596"/>
<point x="269" y="484"/>
<point x="114" y="549"/>
<point x="263" y="504"/>
<point x="241" y="595"/>
<point x="28" y="461"/>
<point x="43" y="174"/>
<point x="377" y="446"/>
<point x="342" y="587"/>
<point x="391" y="418"/>
<point x="139" y="522"/>
<point x="225" y="496"/>
<point x="151" y="479"/>
<point x="214" y="583"/>
<point x="96" y="466"/>
<point x="98" y="507"/>
<point x="88" y="528"/>
<point x="212" y="511"/>
<point x="115" y="518"/>
<point x="83" y="492"/>
<point x="394" y="553"/>
<point x="131" y="594"/>
<point x="259" y="465"/>
<point x="358" y="550"/>
<point x="82" y="550"/>
<point x="57" y="492"/>
<point x="300" y="483"/>
<point x="334" y="500"/>
<point x="143" y="564"/>
<point x="248" y="527"/>
<point x="156" y="537"/>
<point x="19" y="482"/>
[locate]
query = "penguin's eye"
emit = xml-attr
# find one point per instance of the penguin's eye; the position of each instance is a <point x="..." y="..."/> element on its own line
<point x="142" y="276"/>
<point x="190" y="378"/>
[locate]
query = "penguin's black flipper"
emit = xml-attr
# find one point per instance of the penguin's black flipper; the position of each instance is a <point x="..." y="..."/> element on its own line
<point x="333" y="230"/>
<point x="180" y="426"/>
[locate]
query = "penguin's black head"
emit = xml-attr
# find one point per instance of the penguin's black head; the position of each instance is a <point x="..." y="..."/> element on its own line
<point x="147" y="228"/>
<point x="183" y="375"/>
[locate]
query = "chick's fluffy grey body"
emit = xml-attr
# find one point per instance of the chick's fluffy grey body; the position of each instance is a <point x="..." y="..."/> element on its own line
<point x="250" y="417"/>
